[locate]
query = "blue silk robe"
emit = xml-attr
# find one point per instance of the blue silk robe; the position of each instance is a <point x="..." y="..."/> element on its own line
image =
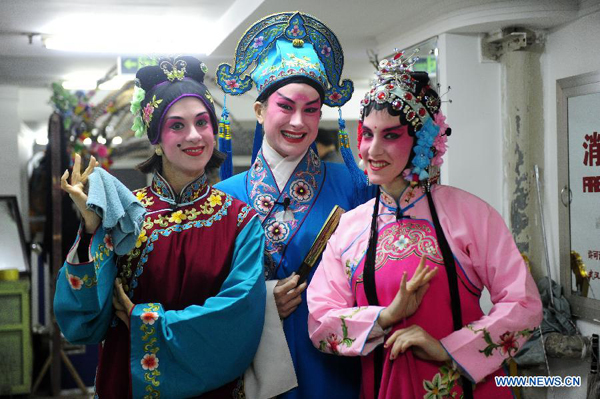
<point x="313" y="189"/>
<point x="196" y="279"/>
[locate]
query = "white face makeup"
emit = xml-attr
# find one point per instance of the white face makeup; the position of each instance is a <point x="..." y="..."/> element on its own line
<point x="291" y="118"/>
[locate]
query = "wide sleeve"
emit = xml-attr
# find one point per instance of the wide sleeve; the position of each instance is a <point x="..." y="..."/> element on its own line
<point x="204" y="346"/>
<point x="83" y="296"/>
<point x="334" y="324"/>
<point x="481" y="347"/>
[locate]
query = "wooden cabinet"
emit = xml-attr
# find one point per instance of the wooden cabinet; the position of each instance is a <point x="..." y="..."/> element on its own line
<point x="15" y="338"/>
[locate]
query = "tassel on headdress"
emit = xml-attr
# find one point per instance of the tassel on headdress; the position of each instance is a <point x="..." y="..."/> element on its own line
<point x="225" y="142"/>
<point x="358" y="177"/>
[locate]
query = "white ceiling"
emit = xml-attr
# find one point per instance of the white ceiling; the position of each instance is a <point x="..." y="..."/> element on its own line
<point x="359" y="25"/>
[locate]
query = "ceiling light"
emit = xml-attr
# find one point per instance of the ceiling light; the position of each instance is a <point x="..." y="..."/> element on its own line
<point x="87" y="141"/>
<point x="185" y="44"/>
<point x="101" y="140"/>
<point x="124" y="36"/>
<point x="117" y="140"/>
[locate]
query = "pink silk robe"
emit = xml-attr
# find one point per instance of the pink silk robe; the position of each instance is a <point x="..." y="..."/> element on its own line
<point x="341" y="321"/>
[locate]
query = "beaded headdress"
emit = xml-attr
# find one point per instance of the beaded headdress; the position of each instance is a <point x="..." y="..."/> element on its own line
<point x="395" y="83"/>
<point x="284" y="46"/>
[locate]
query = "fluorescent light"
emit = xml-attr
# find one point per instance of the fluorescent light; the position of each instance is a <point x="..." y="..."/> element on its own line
<point x="116" y="140"/>
<point x="87" y="141"/>
<point x="128" y="45"/>
<point x="129" y="35"/>
<point x="41" y="140"/>
<point x="101" y="140"/>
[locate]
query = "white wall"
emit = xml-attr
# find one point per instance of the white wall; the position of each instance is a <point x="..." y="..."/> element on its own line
<point x="34" y="104"/>
<point x="474" y="158"/>
<point x="11" y="163"/>
<point x="570" y="50"/>
<point x="9" y="128"/>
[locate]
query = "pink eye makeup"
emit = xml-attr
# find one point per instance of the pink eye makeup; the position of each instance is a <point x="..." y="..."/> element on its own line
<point x="203" y="120"/>
<point x="174" y="124"/>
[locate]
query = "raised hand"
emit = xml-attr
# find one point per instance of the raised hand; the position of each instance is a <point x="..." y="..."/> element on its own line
<point x="423" y="345"/>
<point x="409" y="295"/>
<point x="288" y="295"/>
<point x="76" y="189"/>
<point x="121" y="302"/>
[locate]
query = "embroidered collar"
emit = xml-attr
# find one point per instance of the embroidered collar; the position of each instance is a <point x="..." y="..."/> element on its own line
<point x="283" y="212"/>
<point x="409" y="197"/>
<point x="190" y="192"/>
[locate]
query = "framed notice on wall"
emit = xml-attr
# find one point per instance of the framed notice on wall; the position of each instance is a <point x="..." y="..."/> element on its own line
<point x="579" y="184"/>
<point x="584" y="182"/>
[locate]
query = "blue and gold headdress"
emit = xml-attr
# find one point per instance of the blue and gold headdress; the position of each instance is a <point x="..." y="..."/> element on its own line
<point x="282" y="46"/>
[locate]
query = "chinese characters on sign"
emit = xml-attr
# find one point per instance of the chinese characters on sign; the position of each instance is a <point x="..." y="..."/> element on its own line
<point x="594" y="255"/>
<point x="591" y="157"/>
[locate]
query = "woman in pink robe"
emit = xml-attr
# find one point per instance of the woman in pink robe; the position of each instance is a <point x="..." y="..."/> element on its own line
<point x="361" y="299"/>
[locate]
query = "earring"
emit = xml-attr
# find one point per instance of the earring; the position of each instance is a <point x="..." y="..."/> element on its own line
<point x="158" y="151"/>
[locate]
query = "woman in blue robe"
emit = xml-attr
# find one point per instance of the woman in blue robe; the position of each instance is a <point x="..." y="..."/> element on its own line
<point x="177" y="302"/>
<point x="297" y="65"/>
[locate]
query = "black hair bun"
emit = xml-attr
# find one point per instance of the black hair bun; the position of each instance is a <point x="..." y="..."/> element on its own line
<point x="422" y="78"/>
<point x="195" y="68"/>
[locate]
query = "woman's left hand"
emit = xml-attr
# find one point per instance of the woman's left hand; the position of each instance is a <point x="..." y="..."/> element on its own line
<point x="423" y="345"/>
<point x="121" y="302"/>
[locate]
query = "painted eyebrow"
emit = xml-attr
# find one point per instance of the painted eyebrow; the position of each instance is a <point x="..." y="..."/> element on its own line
<point x="389" y="129"/>
<point x="293" y="102"/>
<point x="179" y="117"/>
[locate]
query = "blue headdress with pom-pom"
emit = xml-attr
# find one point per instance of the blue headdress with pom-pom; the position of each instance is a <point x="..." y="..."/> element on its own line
<point x="283" y="46"/>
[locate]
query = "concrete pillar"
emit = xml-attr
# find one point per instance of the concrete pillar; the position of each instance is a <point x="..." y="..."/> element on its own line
<point x="523" y="145"/>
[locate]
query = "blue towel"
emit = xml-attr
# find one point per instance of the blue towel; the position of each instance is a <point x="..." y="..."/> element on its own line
<point x="121" y="213"/>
